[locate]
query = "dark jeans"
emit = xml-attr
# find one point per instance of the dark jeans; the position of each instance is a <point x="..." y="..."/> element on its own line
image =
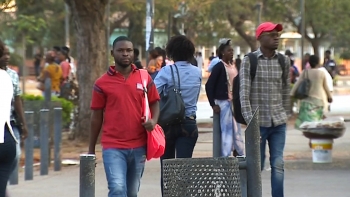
<point x="180" y="141"/>
<point x="7" y="157"/>
<point x="37" y="70"/>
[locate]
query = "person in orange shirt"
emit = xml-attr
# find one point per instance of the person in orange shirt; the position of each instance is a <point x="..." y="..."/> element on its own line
<point x="65" y="66"/>
<point x="155" y="63"/>
<point x="52" y="71"/>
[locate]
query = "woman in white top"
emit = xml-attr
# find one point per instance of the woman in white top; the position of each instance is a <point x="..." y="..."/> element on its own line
<point x="7" y="138"/>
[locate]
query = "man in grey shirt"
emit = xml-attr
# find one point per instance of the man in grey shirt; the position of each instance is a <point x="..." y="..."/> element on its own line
<point x="270" y="92"/>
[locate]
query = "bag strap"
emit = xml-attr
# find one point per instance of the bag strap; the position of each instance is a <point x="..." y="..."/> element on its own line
<point x="178" y="78"/>
<point x="282" y="62"/>
<point x="144" y="79"/>
<point x="253" y="60"/>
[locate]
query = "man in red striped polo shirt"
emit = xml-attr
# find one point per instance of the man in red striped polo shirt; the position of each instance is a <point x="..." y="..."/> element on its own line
<point x="117" y="108"/>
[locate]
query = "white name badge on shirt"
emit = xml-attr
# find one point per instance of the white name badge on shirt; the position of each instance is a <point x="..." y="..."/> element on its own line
<point x="139" y="86"/>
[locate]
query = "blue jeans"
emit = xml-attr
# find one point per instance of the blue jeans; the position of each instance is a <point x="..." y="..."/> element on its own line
<point x="276" y="137"/>
<point x="180" y="142"/>
<point x="124" y="169"/>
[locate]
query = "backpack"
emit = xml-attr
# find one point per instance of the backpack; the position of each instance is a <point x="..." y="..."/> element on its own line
<point x="253" y="59"/>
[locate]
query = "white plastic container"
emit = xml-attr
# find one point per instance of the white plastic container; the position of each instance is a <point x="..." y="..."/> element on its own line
<point x="322" y="150"/>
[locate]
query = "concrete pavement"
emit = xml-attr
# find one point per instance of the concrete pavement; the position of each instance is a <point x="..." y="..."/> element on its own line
<point x="298" y="183"/>
<point x="302" y="177"/>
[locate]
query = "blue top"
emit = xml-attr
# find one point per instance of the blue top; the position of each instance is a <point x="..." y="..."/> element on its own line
<point x="190" y="83"/>
<point x="213" y="62"/>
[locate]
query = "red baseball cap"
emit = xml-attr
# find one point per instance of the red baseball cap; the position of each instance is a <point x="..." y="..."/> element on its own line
<point x="267" y="27"/>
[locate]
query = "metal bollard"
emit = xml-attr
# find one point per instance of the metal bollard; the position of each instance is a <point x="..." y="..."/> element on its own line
<point x="216" y="135"/>
<point x="57" y="138"/>
<point x="29" y="146"/>
<point x="252" y="144"/>
<point x="87" y="175"/>
<point x="44" y="142"/>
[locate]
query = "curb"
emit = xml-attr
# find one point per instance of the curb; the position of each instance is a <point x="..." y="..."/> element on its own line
<point x="204" y="120"/>
<point x="205" y="130"/>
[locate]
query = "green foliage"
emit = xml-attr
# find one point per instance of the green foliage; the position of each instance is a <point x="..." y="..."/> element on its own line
<point x="40" y="21"/>
<point x="326" y="19"/>
<point x="67" y="106"/>
<point x="15" y="59"/>
<point x="30" y="97"/>
<point x="25" y="25"/>
<point x="345" y="55"/>
<point x="67" y="109"/>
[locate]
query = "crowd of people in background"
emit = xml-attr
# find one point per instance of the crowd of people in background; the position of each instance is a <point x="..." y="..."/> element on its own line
<point x="59" y="67"/>
<point x="179" y="67"/>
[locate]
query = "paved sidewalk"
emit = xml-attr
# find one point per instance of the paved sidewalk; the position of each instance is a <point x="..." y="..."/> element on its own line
<point x="299" y="183"/>
<point x="302" y="177"/>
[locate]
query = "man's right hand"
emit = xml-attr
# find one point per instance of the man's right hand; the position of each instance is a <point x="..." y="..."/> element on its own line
<point x="216" y="109"/>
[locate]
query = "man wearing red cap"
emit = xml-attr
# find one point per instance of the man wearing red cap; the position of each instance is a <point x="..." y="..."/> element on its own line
<point x="268" y="90"/>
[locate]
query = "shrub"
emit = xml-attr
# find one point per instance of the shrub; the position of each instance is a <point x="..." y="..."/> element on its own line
<point x="345" y="55"/>
<point x="67" y="106"/>
<point x="15" y="60"/>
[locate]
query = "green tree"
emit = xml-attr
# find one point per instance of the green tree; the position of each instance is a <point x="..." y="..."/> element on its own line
<point x="194" y="17"/>
<point x="44" y="22"/>
<point x="90" y="28"/>
<point x="321" y="18"/>
<point x="136" y="12"/>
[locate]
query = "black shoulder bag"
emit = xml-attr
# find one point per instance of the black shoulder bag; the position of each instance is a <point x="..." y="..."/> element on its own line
<point x="303" y="89"/>
<point x="172" y="107"/>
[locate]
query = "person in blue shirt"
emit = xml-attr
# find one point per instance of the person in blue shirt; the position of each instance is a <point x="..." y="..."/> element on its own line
<point x="181" y="138"/>
<point x="213" y="62"/>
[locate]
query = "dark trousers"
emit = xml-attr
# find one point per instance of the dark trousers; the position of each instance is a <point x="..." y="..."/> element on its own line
<point x="7" y="157"/>
<point x="37" y="70"/>
<point x="180" y="141"/>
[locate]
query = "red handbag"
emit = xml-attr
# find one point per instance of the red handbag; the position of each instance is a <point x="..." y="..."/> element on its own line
<point x="155" y="138"/>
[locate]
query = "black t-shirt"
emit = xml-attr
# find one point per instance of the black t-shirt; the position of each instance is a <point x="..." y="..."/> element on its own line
<point x="37" y="59"/>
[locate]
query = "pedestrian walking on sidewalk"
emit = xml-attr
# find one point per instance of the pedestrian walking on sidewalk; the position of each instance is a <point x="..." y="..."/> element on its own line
<point x="180" y="137"/>
<point x="7" y="137"/>
<point x="116" y="105"/>
<point x="219" y="89"/>
<point x="315" y="106"/>
<point x="269" y="90"/>
<point x="17" y="120"/>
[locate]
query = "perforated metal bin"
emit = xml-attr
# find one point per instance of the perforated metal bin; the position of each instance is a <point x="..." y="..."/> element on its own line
<point x="191" y="177"/>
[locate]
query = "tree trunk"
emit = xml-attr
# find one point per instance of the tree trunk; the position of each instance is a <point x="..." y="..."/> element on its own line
<point x="135" y="30"/>
<point x="316" y="46"/>
<point x="250" y="40"/>
<point x="88" y="17"/>
<point x="174" y="28"/>
<point x="239" y="27"/>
